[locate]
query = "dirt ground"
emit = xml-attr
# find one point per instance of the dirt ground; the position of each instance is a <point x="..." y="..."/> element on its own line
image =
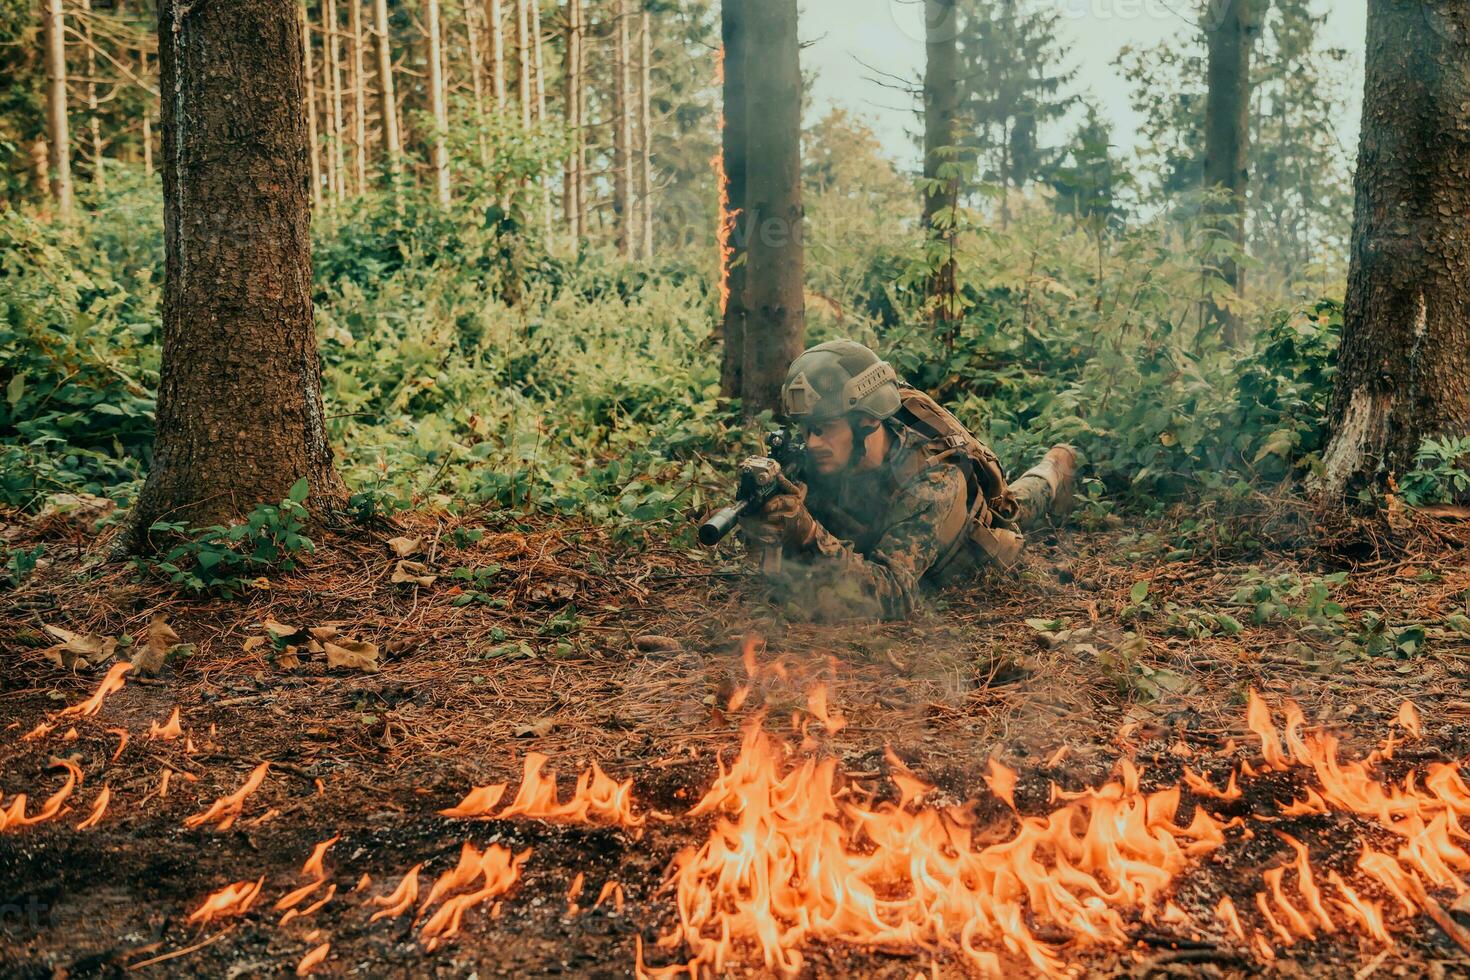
<point x="585" y="651"/>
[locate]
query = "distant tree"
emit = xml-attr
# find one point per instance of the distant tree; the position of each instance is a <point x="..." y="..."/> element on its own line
<point x="1231" y="30"/>
<point x="733" y="31"/>
<point x="239" y="416"/>
<point x="1088" y="178"/>
<point x="941" y="108"/>
<point x="1404" y="366"/>
<point x="1014" y="82"/>
<point x="774" y="299"/>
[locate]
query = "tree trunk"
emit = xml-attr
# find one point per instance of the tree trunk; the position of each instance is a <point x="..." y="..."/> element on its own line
<point x="240" y="414"/>
<point x="645" y="136"/>
<point x="313" y="149"/>
<point x="523" y="62"/>
<point x="336" y="161"/>
<point x="495" y="21"/>
<point x="622" y="134"/>
<point x="732" y="162"/>
<point x="572" y="179"/>
<point x="536" y="65"/>
<point x="1404" y="366"/>
<point x="392" y="144"/>
<point x="477" y="81"/>
<point x="359" y="98"/>
<point x="437" y="102"/>
<point x="58" y="131"/>
<point x="775" y="305"/>
<point x="94" y="120"/>
<point x="1231" y="34"/>
<point x="941" y="105"/>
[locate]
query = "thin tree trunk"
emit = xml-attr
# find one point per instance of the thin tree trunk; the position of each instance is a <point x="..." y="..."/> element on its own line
<point x="941" y="105"/>
<point x="58" y="131"/>
<point x="392" y="144"/>
<point x="623" y="135"/>
<point x="775" y="304"/>
<point x="732" y="159"/>
<point x="240" y="415"/>
<point x="523" y="62"/>
<point x="572" y="179"/>
<point x="477" y="87"/>
<point x="436" y="97"/>
<point x="359" y="97"/>
<point x="581" y="138"/>
<point x="1404" y="365"/>
<point x="536" y="65"/>
<point x="1227" y="142"/>
<point x="94" y="120"/>
<point x="336" y="161"/>
<point x="495" y="18"/>
<point x="313" y="147"/>
<point x="645" y="134"/>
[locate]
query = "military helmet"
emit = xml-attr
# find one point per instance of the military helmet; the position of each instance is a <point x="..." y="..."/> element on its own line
<point x="838" y="378"/>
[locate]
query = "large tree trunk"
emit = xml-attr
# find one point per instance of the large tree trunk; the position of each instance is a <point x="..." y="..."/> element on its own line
<point x="1231" y="30"/>
<point x="239" y="398"/>
<point x="732" y="197"/>
<point x="775" y="306"/>
<point x="1404" y="367"/>
<point x="622" y="133"/>
<point x="313" y="139"/>
<point x="437" y="102"/>
<point x="572" y="180"/>
<point x="58" y="131"/>
<point x="941" y="105"/>
<point x="392" y="143"/>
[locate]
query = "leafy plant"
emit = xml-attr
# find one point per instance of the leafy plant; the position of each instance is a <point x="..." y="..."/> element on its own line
<point x="223" y="559"/>
<point x="478" y="582"/>
<point x="1440" y="472"/>
<point x="20" y="563"/>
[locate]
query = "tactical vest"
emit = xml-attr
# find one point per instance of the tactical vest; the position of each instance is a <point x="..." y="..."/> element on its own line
<point x="990" y="504"/>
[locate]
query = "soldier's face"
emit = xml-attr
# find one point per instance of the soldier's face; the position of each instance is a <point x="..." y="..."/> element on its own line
<point x="829" y="445"/>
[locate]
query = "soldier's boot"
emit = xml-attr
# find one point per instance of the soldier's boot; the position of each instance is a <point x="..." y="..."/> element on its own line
<point x="1047" y="489"/>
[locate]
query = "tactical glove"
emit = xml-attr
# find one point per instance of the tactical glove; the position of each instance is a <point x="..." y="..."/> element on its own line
<point x="784" y="522"/>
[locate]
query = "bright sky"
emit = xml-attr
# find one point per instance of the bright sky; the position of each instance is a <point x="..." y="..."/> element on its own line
<point x="888" y="35"/>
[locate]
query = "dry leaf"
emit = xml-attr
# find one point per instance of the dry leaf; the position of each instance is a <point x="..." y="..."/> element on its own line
<point x="77" y="649"/>
<point x="251" y="642"/>
<point x="278" y="631"/>
<point x="287" y="659"/>
<point x="536" y="729"/>
<point x="653" y="643"/>
<point x="406" y="547"/>
<point x="323" y="633"/>
<point x="412" y="572"/>
<point x="353" y="655"/>
<point x="158" y="643"/>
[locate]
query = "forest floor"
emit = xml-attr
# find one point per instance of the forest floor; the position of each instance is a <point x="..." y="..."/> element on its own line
<point x="586" y="651"/>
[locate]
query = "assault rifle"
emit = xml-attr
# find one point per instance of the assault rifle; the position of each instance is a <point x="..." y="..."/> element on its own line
<point x="761" y="478"/>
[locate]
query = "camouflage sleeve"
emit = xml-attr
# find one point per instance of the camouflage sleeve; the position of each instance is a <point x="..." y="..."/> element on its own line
<point x="885" y="583"/>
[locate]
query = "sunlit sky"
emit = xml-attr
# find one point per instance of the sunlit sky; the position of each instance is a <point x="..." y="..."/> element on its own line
<point x="888" y="35"/>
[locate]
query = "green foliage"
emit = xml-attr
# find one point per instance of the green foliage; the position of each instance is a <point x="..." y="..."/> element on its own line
<point x="1288" y="597"/>
<point x="223" y="559"/>
<point x="17" y="564"/>
<point x="1440" y="472"/>
<point x="477" y="582"/>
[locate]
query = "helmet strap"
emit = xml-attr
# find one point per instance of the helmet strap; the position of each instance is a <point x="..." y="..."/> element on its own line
<point x="861" y="429"/>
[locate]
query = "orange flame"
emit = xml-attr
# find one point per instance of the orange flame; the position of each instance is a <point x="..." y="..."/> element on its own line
<point x="230" y="900"/>
<point x="1002" y="781"/>
<point x="13" y="816"/>
<point x="725" y="224"/>
<point x="313" y="959"/>
<point x="227" y="809"/>
<point x="168" y="731"/>
<point x="111" y="683"/>
<point x="99" y="807"/>
<point x="495" y="867"/>
<point x="597" y="798"/>
<point x="816" y="703"/>
<point x="401" y="899"/>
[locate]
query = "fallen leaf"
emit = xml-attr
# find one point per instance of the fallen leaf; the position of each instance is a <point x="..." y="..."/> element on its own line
<point x="406" y="547"/>
<point x="158" y="643"/>
<point x="653" y="643"/>
<point x="536" y="729"/>
<point x="412" y="572"/>
<point x="323" y="633"/>
<point x="287" y="659"/>
<point x="278" y="631"/>
<point x="352" y="654"/>
<point x="79" y="649"/>
<point x="251" y="642"/>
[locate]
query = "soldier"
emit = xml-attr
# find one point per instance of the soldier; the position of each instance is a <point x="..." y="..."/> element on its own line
<point x="897" y="492"/>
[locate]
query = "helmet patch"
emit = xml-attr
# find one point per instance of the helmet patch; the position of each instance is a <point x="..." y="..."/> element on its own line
<point x="799" y="397"/>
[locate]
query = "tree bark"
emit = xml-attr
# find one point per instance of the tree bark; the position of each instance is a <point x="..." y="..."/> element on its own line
<point x="572" y="178"/>
<point x="732" y="197"/>
<point x="58" y="130"/>
<point x="392" y="143"/>
<point x="336" y="161"/>
<point x="495" y="21"/>
<point x="477" y="81"/>
<point x="1404" y="365"/>
<point x="437" y="102"/>
<point x="1231" y="32"/>
<point x="94" y="119"/>
<point x="523" y="62"/>
<point x="240" y="414"/>
<point x="359" y="97"/>
<point x="645" y="136"/>
<point x="623" y="134"/>
<point x="313" y="148"/>
<point x="774" y="300"/>
<point x="941" y="106"/>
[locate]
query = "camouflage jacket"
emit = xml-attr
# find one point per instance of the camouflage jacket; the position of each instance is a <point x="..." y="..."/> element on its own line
<point x="882" y="532"/>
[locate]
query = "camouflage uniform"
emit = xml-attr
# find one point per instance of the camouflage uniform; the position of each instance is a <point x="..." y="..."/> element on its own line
<point x="860" y="542"/>
<point x="882" y="532"/>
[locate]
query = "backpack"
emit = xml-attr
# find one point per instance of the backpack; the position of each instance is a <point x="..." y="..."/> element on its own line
<point x="991" y="503"/>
